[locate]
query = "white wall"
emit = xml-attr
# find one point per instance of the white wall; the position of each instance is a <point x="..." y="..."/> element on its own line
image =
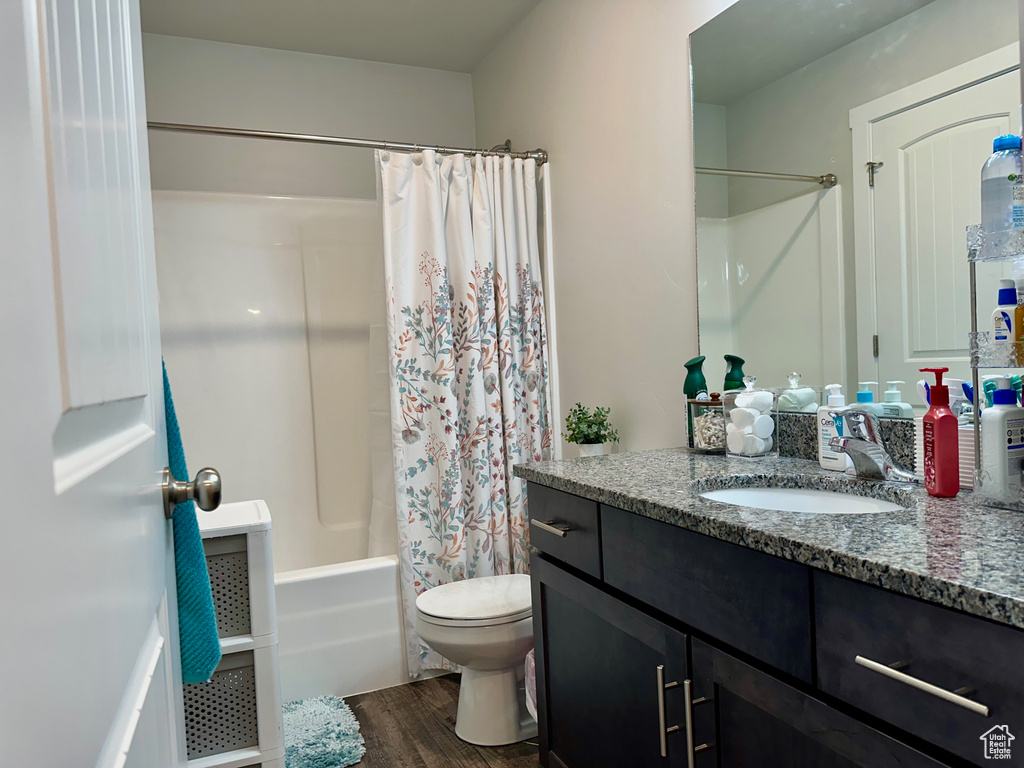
<point x="197" y="81"/>
<point x="604" y="86"/>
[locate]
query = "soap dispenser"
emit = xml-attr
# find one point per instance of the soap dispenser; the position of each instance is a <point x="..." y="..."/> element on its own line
<point x="941" y="441"/>
<point x="894" y="407"/>
<point x="829" y="428"/>
<point x="866" y="398"/>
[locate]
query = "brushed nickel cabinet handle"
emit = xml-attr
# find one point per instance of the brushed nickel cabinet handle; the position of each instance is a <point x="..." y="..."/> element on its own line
<point x="559" y="529"/>
<point x="689" y="703"/>
<point x="663" y="729"/>
<point x="893" y="671"/>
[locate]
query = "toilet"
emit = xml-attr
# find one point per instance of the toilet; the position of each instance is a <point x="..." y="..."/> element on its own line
<point x="486" y="626"/>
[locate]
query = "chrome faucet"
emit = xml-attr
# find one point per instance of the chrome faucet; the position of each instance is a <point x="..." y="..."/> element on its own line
<point x="865" y="447"/>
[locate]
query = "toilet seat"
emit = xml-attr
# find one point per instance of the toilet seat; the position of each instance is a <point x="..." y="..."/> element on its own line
<point x="486" y="601"/>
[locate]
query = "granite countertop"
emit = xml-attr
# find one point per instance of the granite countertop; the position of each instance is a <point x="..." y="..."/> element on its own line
<point x="953" y="552"/>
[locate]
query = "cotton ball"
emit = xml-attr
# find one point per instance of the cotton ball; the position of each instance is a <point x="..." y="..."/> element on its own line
<point x="762" y="401"/>
<point x="736" y="440"/>
<point x="730" y="428"/>
<point x="753" y="445"/>
<point x="744" y="400"/>
<point x="743" y="417"/>
<point x="763" y="426"/>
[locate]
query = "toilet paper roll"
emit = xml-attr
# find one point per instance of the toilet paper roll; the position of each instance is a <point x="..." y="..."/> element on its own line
<point x="743" y="417"/>
<point x="736" y="441"/>
<point x="763" y="426"/>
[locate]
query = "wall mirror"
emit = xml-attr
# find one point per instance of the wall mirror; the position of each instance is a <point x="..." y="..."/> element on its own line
<point x="878" y="115"/>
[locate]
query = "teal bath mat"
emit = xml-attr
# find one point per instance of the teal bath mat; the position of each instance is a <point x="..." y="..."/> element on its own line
<point x="321" y="733"/>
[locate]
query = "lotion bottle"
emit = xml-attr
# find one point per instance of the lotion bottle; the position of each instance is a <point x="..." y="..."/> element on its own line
<point x="866" y="398"/>
<point x="894" y="407"/>
<point x="1002" y="442"/>
<point x="941" y="441"/>
<point x="1004" y="313"/>
<point x="829" y="428"/>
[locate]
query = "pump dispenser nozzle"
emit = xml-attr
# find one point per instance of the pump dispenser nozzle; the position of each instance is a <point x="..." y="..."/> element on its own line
<point x="939" y="392"/>
<point x="864" y="394"/>
<point x="835" y="395"/>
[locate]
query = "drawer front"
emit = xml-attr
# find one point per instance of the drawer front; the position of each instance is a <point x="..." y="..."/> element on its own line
<point x="863" y="631"/>
<point x="758" y="604"/>
<point x="766" y="723"/>
<point x="573" y="516"/>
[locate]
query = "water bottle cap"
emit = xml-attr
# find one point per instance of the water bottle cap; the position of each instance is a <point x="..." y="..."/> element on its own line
<point x="1009" y="141"/>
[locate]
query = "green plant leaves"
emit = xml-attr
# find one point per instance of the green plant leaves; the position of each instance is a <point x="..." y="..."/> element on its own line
<point x="586" y="427"/>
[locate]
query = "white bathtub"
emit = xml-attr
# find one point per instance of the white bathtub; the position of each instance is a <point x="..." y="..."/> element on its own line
<point x="340" y="629"/>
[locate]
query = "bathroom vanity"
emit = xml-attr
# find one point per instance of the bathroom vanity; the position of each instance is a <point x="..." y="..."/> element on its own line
<point x="675" y="630"/>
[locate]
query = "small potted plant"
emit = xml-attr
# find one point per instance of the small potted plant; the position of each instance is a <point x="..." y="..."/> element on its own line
<point x="590" y="430"/>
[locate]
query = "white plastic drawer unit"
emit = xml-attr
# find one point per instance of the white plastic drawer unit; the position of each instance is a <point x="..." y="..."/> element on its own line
<point x="221" y="714"/>
<point x="234" y="720"/>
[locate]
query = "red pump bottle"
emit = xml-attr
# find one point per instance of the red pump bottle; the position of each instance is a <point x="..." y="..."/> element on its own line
<point x="941" y="441"/>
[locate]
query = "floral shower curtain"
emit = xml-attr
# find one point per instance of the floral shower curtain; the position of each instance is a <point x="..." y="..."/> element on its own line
<point x="468" y="365"/>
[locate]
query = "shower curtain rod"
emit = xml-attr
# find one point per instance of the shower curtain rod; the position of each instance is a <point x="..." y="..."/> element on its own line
<point x="828" y="180"/>
<point x="540" y="155"/>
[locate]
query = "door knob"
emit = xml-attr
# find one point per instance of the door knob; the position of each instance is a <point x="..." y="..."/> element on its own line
<point x="204" y="490"/>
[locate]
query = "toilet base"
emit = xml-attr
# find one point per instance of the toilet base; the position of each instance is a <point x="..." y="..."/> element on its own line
<point x="492" y="709"/>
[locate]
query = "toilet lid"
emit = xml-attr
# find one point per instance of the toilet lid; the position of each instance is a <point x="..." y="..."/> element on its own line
<point x="489" y="597"/>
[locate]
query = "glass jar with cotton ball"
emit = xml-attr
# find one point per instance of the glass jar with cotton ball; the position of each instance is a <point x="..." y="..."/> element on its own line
<point x="750" y="420"/>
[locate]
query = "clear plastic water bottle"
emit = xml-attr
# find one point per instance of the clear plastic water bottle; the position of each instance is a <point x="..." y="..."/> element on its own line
<point x="1002" y="187"/>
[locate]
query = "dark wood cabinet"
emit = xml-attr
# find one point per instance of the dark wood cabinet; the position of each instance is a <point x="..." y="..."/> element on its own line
<point x="756" y="603"/>
<point x="609" y="678"/>
<point x="762" y="722"/>
<point x="930" y="671"/>
<point x="659" y="646"/>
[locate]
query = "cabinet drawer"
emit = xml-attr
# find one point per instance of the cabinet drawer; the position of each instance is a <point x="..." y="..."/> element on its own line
<point x="863" y="632"/>
<point x="766" y="723"/>
<point x="577" y="538"/>
<point x="758" y="604"/>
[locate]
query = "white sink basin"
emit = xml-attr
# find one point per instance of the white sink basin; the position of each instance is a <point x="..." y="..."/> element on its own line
<point x="802" y="500"/>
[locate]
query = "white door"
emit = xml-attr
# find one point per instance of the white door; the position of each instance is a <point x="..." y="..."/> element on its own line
<point x="925" y="194"/>
<point x="88" y="639"/>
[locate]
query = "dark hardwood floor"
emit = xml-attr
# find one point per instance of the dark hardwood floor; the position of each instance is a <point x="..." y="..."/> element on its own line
<point x="413" y="726"/>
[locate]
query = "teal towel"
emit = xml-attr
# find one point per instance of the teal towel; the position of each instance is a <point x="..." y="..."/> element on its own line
<point x="197" y="624"/>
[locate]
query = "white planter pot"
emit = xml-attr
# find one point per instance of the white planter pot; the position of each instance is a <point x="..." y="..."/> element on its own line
<point x="595" y="449"/>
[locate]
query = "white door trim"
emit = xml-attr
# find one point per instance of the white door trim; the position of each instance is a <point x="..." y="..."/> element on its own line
<point x="983" y="68"/>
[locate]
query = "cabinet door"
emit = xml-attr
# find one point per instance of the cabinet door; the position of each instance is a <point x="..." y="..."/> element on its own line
<point x="765" y="723"/>
<point x="610" y="679"/>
